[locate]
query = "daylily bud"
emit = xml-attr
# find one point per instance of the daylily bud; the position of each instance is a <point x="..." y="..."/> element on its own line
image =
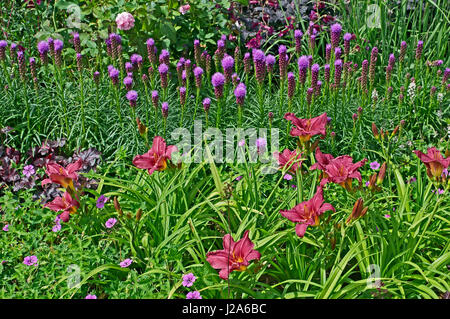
<point x="139" y="214"/>
<point x="375" y="131"/>
<point x="381" y="174"/>
<point x="141" y="127"/>
<point x="372" y="182"/>
<point x="395" y="130"/>
<point x="358" y="211"/>
<point x="117" y="206"/>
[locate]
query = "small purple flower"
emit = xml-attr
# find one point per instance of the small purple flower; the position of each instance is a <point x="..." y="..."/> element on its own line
<point x="218" y="80"/>
<point x="240" y="93"/>
<point x="387" y="216"/>
<point x="238" y="178"/>
<point x="127" y="262"/>
<point x="270" y="62"/>
<point x="57" y="227"/>
<point x="110" y="223"/>
<point x="367" y="184"/>
<point x="291" y="85"/>
<point x="128" y="82"/>
<point x="91" y="297"/>
<point x="132" y="97"/>
<point x="165" y="109"/>
<point x="43" y="47"/>
<point x="30" y="260"/>
<point x="6" y="227"/>
<point x="188" y="280"/>
<point x="28" y="171"/>
<point x="241" y="143"/>
<point x="198" y="72"/>
<point x="261" y="144"/>
<point x="206" y="104"/>
<point x="287" y="177"/>
<point x="102" y="199"/>
<point x="193" y="295"/>
<point x="336" y="30"/>
<point x="228" y="65"/>
<point x="375" y="165"/>
<point x="155" y="98"/>
<point x="303" y="63"/>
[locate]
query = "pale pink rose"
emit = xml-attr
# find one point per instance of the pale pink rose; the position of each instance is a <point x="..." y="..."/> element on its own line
<point x="125" y="21"/>
<point x="184" y="8"/>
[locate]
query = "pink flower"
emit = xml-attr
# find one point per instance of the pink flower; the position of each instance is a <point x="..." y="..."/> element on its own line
<point x="193" y="295"/>
<point x="127" y="262"/>
<point x="184" y="9"/>
<point x="288" y="159"/>
<point x="342" y="170"/>
<point x="62" y="176"/>
<point x="65" y="203"/>
<point x="307" y="128"/>
<point x="125" y="21"/>
<point x="91" y="297"/>
<point x="6" y="228"/>
<point x="234" y="256"/>
<point x="30" y="260"/>
<point x="307" y="213"/>
<point x="188" y="280"/>
<point x="156" y="158"/>
<point x="434" y="161"/>
<point x="110" y="222"/>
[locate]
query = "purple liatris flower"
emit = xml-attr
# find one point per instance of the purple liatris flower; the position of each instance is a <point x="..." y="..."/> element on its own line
<point x="446" y="76"/>
<point x="402" y="51"/>
<point x="261" y="144"/>
<point x="347" y="39"/>
<point x="151" y="50"/>
<point x="188" y="280"/>
<point x="129" y="67"/>
<point x="3" y="45"/>
<point x="364" y="71"/>
<point x="336" y="30"/>
<point x="218" y="80"/>
<point x="298" y="38"/>
<point x="163" y="70"/>
<point x="237" y="57"/>
<point x="165" y="109"/>
<point x="155" y="99"/>
<point x="197" y="53"/>
<point x="22" y="66"/>
<point x="337" y="52"/>
<point x="110" y="223"/>
<point x="58" y="46"/>
<point x="391" y="62"/>
<point x="326" y="70"/>
<point x="328" y="53"/>
<point x="126" y="263"/>
<point x="337" y="73"/>
<point x="164" y="57"/>
<point x="318" y="88"/>
<point x="114" y="75"/>
<point x="136" y="60"/>
<point x="303" y="63"/>
<point x="28" y="171"/>
<point x="128" y="82"/>
<point x="43" y="50"/>
<point x="373" y="62"/>
<point x="30" y="260"/>
<point x="240" y="93"/>
<point x="270" y="62"/>
<point x="314" y="75"/>
<point x="247" y="63"/>
<point x="132" y="97"/>
<point x="198" y="72"/>
<point x="182" y="91"/>
<point x="101" y="200"/>
<point x="312" y="41"/>
<point x="291" y="85"/>
<point x="282" y="61"/>
<point x="259" y="62"/>
<point x="206" y="104"/>
<point x="228" y="66"/>
<point x="187" y="68"/>
<point x="79" y="62"/>
<point x="76" y="42"/>
<point x="388" y="73"/>
<point x="33" y="67"/>
<point x="193" y="295"/>
<point x="419" y="50"/>
<point x="96" y="77"/>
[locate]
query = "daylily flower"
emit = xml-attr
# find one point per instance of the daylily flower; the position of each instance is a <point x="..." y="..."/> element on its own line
<point x="307" y="128"/>
<point x="434" y="161"/>
<point x="289" y="159"/>
<point x="156" y="158"/>
<point x="62" y="176"/>
<point x="307" y="213"/>
<point x="65" y="203"/>
<point x="322" y="160"/>
<point x="342" y="170"/>
<point x="234" y="256"/>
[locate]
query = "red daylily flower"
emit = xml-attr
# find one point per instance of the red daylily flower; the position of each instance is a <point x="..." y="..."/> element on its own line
<point x="289" y="159"/>
<point x="307" y="128"/>
<point x="156" y="158"/>
<point x="307" y="213"/>
<point x="62" y="176"/>
<point x="322" y="160"/>
<point x="434" y="161"/>
<point x="65" y="203"/>
<point x="342" y="170"/>
<point x="234" y="256"/>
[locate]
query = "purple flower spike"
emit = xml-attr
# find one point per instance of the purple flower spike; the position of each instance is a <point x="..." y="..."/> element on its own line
<point x="402" y="51"/>
<point x="347" y="39"/>
<point x="218" y="80"/>
<point x="163" y="70"/>
<point x="240" y="93"/>
<point x="206" y="104"/>
<point x="259" y="61"/>
<point x="326" y="69"/>
<point x="336" y="30"/>
<point x="337" y="73"/>
<point x="270" y="62"/>
<point x="328" y="52"/>
<point x="298" y="38"/>
<point x="303" y="64"/>
<point x="128" y="82"/>
<point x="155" y="99"/>
<point x="182" y="91"/>
<point x="282" y="52"/>
<point x="247" y="63"/>
<point x="314" y="75"/>
<point x="132" y="97"/>
<point x="228" y="65"/>
<point x="291" y="85"/>
<point x="165" y="109"/>
<point x="419" y="50"/>
<point x="198" y="72"/>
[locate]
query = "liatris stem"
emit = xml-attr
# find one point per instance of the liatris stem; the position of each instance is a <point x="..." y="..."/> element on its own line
<point x="218" y="112"/>
<point x="83" y="137"/>
<point x="27" y="105"/>
<point x="240" y="111"/>
<point x="197" y="101"/>
<point x="119" y="113"/>
<point x="261" y="101"/>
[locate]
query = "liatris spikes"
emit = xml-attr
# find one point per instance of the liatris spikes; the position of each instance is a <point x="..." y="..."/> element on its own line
<point x="12" y="51"/>
<point x="151" y="51"/>
<point x="116" y="41"/>
<point x="298" y="41"/>
<point x="228" y="66"/>
<point x="388" y="73"/>
<point x="197" y="53"/>
<point x="132" y="97"/>
<point x="310" y="61"/>
<point x="114" y="75"/>
<point x="282" y="61"/>
<point x="337" y="53"/>
<point x="259" y="63"/>
<point x="22" y="66"/>
<point x="203" y="58"/>
<point x="180" y="67"/>
<point x="128" y="67"/>
<point x="165" y="109"/>
<point x="220" y="49"/>
<point x="419" y="50"/>
<point x="79" y="62"/>
<point x="314" y="75"/>
<point x="96" y="77"/>
<point x="309" y="94"/>
<point x="270" y="62"/>
<point x="208" y="63"/>
<point x="109" y="49"/>
<point x="144" y="78"/>
<point x="303" y="64"/>
<point x="155" y="99"/>
<point x="336" y="30"/>
<point x="58" y="46"/>
<point x="198" y="72"/>
<point x="328" y="53"/>
<point x="402" y="51"/>
<point x="237" y="57"/>
<point x="291" y="85"/>
<point x="373" y="62"/>
<point x="326" y="70"/>
<point x="183" y="78"/>
<point x="51" y="45"/>
<point x="128" y="82"/>
<point x="218" y="80"/>
<point x="337" y="73"/>
<point x="187" y="68"/>
<point x="318" y="88"/>
<point x="347" y="39"/>
<point x="235" y="79"/>
<point x="206" y="104"/>
<point x="33" y="67"/>
<point x="76" y="42"/>
<point x="136" y="60"/>
<point x="391" y="62"/>
<point x="43" y="50"/>
<point x="182" y="91"/>
<point x="163" y="70"/>
<point x="240" y="93"/>
<point x="446" y="76"/>
<point x="247" y="63"/>
<point x="3" y="45"/>
<point x="365" y="68"/>
<point x="164" y="57"/>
